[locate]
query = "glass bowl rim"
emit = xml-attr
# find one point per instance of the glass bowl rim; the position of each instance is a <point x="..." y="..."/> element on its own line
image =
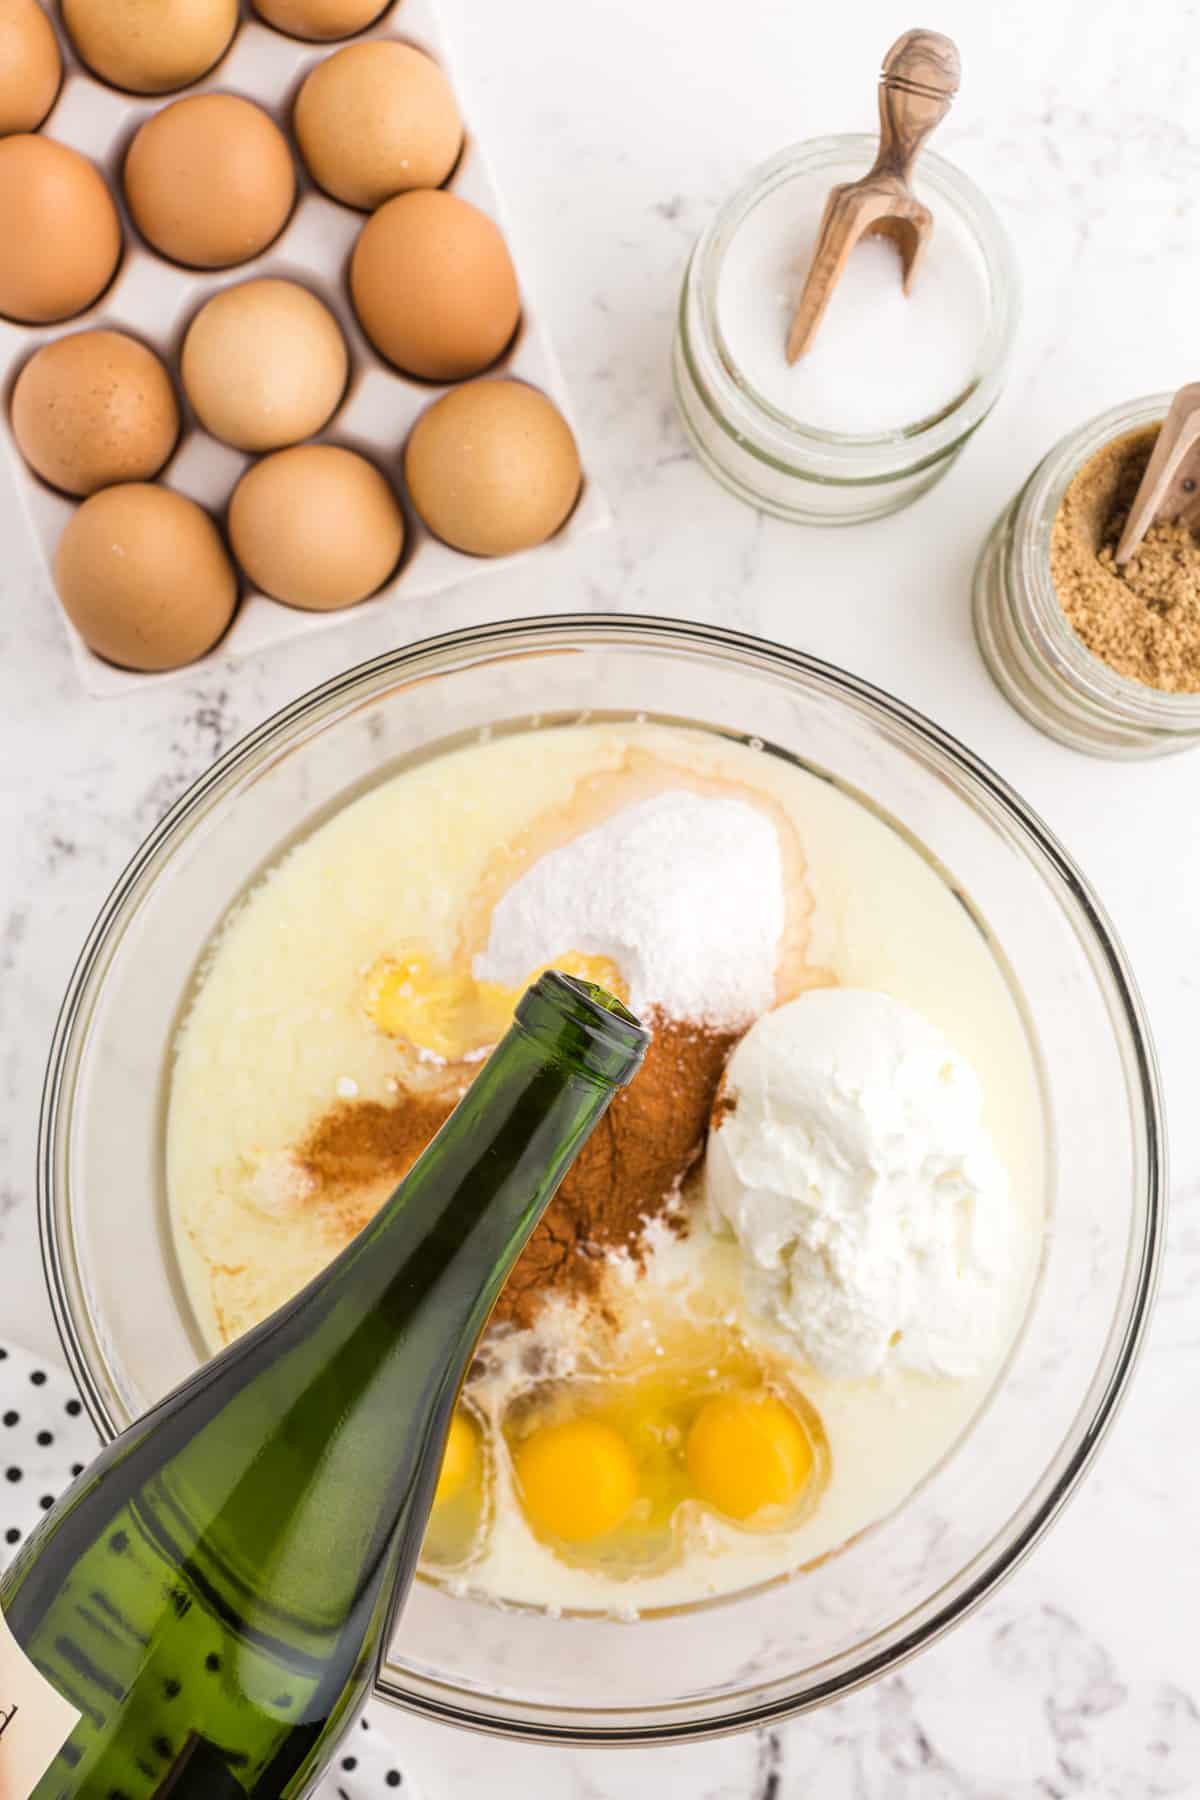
<point x="669" y="1721"/>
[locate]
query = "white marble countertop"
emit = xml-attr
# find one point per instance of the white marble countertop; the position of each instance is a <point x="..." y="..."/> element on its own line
<point x="615" y="129"/>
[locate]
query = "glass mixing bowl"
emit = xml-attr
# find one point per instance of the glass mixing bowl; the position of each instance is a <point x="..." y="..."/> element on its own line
<point x="780" y="1648"/>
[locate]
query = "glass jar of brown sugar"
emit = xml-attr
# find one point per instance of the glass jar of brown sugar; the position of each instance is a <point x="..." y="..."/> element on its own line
<point x="1034" y="653"/>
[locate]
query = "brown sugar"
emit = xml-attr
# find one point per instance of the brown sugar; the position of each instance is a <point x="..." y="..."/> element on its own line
<point x="1142" y="617"/>
<point x="629" y="1171"/>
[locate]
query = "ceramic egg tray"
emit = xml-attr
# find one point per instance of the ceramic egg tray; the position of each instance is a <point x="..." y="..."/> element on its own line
<point x="155" y="300"/>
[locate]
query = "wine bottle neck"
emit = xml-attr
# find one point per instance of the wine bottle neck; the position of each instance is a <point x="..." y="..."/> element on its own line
<point x="388" y="1330"/>
<point x="469" y="1205"/>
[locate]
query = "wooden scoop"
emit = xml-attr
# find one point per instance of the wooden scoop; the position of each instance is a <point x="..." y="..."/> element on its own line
<point x="1170" y="488"/>
<point x="918" y="81"/>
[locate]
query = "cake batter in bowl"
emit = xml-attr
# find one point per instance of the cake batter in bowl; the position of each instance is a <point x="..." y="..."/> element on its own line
<point x="1012" y="904"/>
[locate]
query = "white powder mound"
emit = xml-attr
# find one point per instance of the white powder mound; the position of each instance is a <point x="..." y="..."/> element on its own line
<point x="863" y="1188"/>
<point x="882" y="359"/>
<point x="683" y="892"/>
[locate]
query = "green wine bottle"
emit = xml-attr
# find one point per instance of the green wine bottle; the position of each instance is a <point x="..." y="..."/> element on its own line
<point x="214" y="1593"/>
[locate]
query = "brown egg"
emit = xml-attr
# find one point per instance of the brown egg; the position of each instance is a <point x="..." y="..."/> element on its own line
<point x="144" y="577"/>
<point x="94" y="409"/>
<point x="60" y="238"/>
<point x="210" y="181"/>
<point x="376" y="119"/>
<point x="30" y="66"/>
<point x="264" y="365"/>
<point x="493" y="467"/>
<point x="434" y="286"/>
<point x="150" y="46"/>
<point x="320" y="20"/>
<point x="316" y="526"/>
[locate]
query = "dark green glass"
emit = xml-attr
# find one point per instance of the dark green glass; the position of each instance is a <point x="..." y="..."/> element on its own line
<point x="214" y="1593"/>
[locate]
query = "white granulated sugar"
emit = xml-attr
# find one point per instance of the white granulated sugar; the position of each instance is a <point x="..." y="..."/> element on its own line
<point x="882" y="359"/>
<point x="683" y="892"/>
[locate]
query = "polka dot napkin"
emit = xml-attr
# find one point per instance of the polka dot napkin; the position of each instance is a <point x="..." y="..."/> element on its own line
<point x="46" y="1440"/>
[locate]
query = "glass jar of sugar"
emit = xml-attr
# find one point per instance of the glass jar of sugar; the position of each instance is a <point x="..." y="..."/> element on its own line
<point x="1034" y="656"/>
<point x="893" y="385"/>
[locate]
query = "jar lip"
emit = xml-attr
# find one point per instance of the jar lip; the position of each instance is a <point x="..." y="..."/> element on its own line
<point x="977" y="216"/>
<point x="1037" y="508"/>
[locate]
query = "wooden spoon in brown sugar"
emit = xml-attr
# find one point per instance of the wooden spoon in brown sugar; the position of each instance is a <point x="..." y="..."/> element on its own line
<point x="1170" y="488"/>
<point x="919" y="79"/>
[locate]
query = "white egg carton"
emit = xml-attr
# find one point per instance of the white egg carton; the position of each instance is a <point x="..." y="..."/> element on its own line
<point x="155" y="300"/>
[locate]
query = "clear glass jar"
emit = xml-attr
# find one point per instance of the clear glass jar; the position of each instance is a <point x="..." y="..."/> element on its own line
<point x="1033" y="655"/>
<point x="802" y="473"/>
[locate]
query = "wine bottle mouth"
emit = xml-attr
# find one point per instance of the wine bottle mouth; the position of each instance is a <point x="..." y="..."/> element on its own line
<point x="586" y="1025"/>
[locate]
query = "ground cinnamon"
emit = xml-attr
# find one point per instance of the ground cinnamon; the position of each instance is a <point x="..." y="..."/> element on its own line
<point x="360" y="1140"/>
<point x="628" y="1172"/>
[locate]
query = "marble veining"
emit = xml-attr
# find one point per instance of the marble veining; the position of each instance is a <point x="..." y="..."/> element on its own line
<point x="615" y="130"/>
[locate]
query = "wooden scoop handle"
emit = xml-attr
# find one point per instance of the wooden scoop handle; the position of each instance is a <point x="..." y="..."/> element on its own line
<point x="917" y="83"/>
<point x="1171" y="483"/>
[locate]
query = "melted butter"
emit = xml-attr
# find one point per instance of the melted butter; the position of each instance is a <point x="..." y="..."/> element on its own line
<point x="282" y="1021"/>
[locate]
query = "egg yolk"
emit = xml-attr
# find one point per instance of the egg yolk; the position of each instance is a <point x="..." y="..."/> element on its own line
<point x="435" y="1009"/>
<point x="462" y="1446"/>
<point x="452" y="1015"/>
<point x="577" y="1478"/>
<point x="746" y="1452"/>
